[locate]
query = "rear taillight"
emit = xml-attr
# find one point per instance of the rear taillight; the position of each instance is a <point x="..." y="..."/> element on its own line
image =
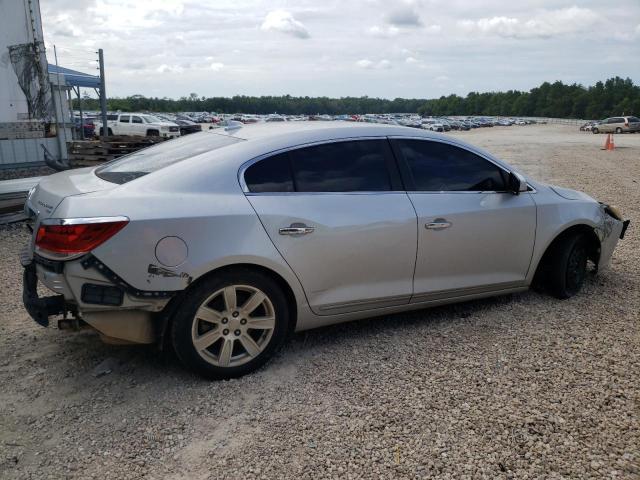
<point x="72" y="237"/>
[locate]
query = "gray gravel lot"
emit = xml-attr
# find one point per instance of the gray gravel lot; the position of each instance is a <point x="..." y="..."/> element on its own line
<point x="523" y="386"/>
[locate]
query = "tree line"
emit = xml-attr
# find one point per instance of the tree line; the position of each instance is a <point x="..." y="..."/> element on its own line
<point x="615" y="96"/>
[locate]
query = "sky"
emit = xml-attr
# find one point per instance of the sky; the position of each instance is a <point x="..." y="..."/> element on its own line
<point x="336" y="48"/>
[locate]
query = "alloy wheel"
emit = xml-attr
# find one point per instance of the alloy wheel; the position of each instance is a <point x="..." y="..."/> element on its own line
<point x="233" y="325"/>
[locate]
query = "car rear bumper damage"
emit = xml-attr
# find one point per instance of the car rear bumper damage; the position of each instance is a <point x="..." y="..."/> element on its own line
<point x="40" y="308"/>
<point x="129" y="316"/>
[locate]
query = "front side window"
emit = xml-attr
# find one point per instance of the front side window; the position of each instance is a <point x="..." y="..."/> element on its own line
<point x="440" y="167"/>
<point x="136" y="120"/>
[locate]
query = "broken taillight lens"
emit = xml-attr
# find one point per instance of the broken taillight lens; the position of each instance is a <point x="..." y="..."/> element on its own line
<point x="76" y="238"/>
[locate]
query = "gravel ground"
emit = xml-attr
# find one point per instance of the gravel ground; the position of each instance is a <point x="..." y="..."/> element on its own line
<point x="523" y="386"/>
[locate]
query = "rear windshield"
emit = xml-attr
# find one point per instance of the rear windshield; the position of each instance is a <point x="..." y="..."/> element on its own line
<point x="151" y="159"/>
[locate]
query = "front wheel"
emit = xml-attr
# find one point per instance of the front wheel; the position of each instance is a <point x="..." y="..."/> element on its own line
<point x="618" y="130"/>
<point x="568" y="266"/>
<point x="595" y="130"/>
<point x="231" y="324"/>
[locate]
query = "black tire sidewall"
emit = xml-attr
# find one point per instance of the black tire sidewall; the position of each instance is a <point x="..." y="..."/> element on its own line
<point x="182" y="323"/>
<point x="559" y="265"/>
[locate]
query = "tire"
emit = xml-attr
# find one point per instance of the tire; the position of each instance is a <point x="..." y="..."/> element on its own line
<point x="595" y="130"/>
<point x="229" y="346"/>
<point x="618" y="130"/>
<point x="153" y="133"/>
<point x="568" y="266"/>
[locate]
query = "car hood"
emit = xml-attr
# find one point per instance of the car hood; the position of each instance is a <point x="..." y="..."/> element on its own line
<point x="569" y="194"/>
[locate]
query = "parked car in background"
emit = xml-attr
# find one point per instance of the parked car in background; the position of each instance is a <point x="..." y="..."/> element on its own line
<point x="617" y="125"/>
<point x="88" y="126"/>
<point x="141" y="125"/>
<point x="225" y="242"/>
<point x="586" y="127"/>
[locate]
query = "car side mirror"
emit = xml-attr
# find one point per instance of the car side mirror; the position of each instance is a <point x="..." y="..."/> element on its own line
<point x="517" y="183"/>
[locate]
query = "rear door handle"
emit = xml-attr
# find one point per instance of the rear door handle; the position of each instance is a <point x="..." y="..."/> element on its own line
<point x="296" y="229"/>
<point x="438" y="224"/>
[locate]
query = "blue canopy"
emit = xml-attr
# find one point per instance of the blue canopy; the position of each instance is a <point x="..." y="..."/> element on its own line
<point x="75" y="78"/>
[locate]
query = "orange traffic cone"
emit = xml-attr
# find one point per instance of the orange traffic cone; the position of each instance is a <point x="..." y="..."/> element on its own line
<point x="612" y="145"/>
<point x="607" y="142"/>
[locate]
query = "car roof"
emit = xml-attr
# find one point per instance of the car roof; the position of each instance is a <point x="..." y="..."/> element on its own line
<point x="326" y="129"/>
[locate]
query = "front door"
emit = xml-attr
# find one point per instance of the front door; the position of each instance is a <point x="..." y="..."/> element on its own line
<point x="474" y="236"/>
<point x="337" y="214"/>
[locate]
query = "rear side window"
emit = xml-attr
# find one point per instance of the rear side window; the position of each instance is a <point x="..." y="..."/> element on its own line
<point x="440" y="167"/>
<point x="124" y="118"/>
<point x="355" y="166"/>
<point x="351" y="166"/>
<point x="272" y="174"/>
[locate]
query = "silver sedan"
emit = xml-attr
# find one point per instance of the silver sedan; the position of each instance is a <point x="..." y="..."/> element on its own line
<point x="224" y="242"/>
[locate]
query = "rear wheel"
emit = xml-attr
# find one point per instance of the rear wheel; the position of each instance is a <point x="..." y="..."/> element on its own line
<point x="568" y="266"/>
<point x="231" y="324"/>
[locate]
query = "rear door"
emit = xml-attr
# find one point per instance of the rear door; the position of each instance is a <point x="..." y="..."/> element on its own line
<point x="473" y="235"/>
<point x="338" y="215"/>
<point x="138" y="127"/>
<point x="122" y="125"/>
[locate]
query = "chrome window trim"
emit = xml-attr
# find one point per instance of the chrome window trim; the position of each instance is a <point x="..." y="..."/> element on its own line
<point x="83" y="220"/>
<point x="243" y="168"/>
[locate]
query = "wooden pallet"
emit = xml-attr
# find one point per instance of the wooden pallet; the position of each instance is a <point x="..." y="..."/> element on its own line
<point x="91" y="152"/>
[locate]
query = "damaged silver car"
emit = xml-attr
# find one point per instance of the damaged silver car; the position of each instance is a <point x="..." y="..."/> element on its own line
<point x="224" y="242"/>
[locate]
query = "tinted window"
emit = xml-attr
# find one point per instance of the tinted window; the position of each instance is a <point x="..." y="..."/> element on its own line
<point x="124" y="118"/>
<point x="634" y="119"/>
<point x="272" y="174"/>
<point x="342" y="167"/>
<point x="616" y="120"/>
<point x="147" y="160"/>
<point x="136" y="120"/>
<point x="437" y="167"/>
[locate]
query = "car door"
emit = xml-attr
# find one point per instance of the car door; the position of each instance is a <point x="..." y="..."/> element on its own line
<point x="138" y="127"/>
<point x="338" y="215"/>
<point x="473" y="235"/>
<point x="122" y="125"/>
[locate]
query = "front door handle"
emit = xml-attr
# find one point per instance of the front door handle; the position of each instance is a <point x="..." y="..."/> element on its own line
<point x="438" y="224"/>
<point x="296" y="229"/>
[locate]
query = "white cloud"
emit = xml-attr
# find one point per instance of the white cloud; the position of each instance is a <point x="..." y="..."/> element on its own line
<point x="164" y="68"/>
<point x="365" y="63"/>
<point x="284" y="22"/>
<point x="433" y="29"/>
<point x="547" y="24"/>
<point x="411" y="60"/>
<point x="216" y="66"/>
<point x="384" y="32"/>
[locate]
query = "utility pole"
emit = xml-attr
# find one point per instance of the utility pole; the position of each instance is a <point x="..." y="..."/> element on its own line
<point x="103" y="96"/>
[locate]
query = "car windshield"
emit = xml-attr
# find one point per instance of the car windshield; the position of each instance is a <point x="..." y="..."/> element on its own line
<point x="154" y="158"/>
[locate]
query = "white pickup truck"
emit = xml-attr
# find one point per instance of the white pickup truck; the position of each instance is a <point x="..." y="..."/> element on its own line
<point x="140" y="124"/>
